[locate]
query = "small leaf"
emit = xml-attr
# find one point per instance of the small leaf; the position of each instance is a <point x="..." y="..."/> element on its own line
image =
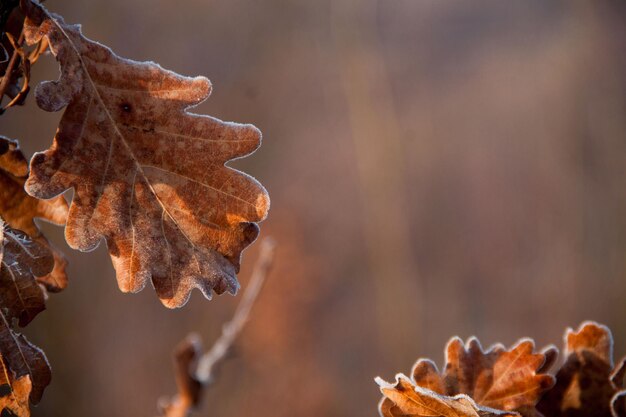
<point x="148" y="176"/>
<point x="404" y="399"/>
<point x="18" y="209"/>
<point x="587" y="383"/>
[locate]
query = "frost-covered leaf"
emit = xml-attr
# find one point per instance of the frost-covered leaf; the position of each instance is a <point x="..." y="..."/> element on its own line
<point x="18" y="209"/>
<point x="404" y="399"/>
<point x="588" y="384"/>
<point x="147" y="175"/>
<point x="498" y="378"/>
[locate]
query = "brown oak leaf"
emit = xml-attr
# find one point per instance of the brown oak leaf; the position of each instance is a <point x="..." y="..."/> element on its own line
<point x="588" y="384"/>
<point x="404" y="399"/>
<point x="14" y="392"/>
<point x="18" y="209"/>
<point x="147" y="175"/>
<point x="23" y="259"/>
<point x="24" y="359"/>
<point x="509" y="380"/>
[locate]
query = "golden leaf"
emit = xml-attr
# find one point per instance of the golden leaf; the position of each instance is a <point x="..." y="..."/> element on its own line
<point x="148" y="176"/>
<point x="18" y="209"/>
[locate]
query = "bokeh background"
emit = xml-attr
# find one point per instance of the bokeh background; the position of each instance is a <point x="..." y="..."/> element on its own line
<point x="436" y="168"/>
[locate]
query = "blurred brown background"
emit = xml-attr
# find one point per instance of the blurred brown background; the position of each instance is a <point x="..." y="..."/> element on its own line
<point x="436" y="168"/>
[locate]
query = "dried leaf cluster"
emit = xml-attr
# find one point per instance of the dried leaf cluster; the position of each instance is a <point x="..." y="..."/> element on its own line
<point x="515" y="381"/>
<point x="30" y="267"/>
<point x="151" y="179"/>
<point x="148" y="176"/>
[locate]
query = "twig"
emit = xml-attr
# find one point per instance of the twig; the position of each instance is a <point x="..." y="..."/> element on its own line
<point x="194" y="372"/>
<point x="8" y="74"/>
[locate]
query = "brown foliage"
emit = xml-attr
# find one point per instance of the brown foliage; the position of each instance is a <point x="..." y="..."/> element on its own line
<point x="406" y="399"/>
<point x="509" y="380"/>
<point x="19" y="209"/>
<point x="148" y="176"/>
<point x="476" y="383"/>
<point x="27" y="264"/>
<point x="24" y="359"/>
<point x="14" y="392"/>
<point x="588" y="384"/>
<point x="21" y="297"/>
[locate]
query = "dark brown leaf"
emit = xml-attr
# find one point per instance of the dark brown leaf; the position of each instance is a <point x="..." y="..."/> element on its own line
<point x="587" y="383"/>
<point x="404" y="399"/>
<point x="498" y="378"/>
<point x="148" y="176"/>
<point x="14" y="392"/>
<point x="24" y="359"/>
<point x="18" y="209"/>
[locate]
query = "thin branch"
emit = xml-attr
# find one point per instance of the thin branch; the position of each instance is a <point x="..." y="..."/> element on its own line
<point x="210" y="359"/>
<point x="8" y="74"/>
<point x="196" y="371"/>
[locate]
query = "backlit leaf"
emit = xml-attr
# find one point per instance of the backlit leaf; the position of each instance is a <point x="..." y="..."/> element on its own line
<point x="500" y="379"/>
<point x="406" y="399"/>
<point x="148" y="176"/>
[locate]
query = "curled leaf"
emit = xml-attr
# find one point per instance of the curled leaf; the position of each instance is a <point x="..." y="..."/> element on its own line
<point x="148" y="176"/>
<point x="18" y="209"/>
<point x="588" y="384"/>
<point x="404" y="399"/>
